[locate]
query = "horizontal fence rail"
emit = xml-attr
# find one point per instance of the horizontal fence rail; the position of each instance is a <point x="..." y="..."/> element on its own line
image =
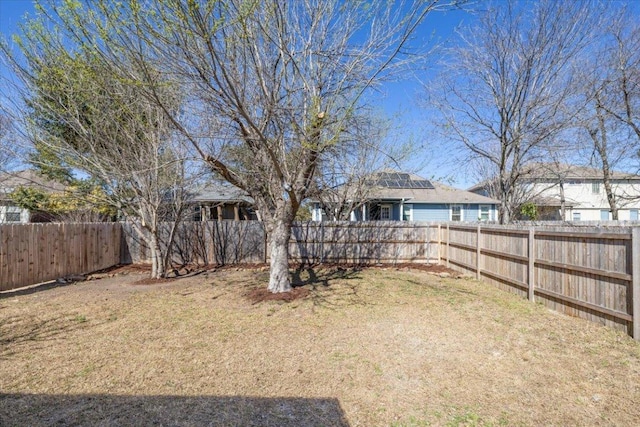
<point x="591" y="275"/>
<point x="36" y="253"/>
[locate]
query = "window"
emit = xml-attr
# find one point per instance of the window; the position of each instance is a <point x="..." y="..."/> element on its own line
<point x="576" y="216"/>
<point x="633" y="214"/>
<point x="197" y="213"/>
<point x="604" y="215"/>
<point x="407" y="215"/>
<point x="12" y="214"/>
<point x="456" y="213"/>
<point x="485" y="213"/>
<point x="595" y="187"/>
<point x="385" y="213"/>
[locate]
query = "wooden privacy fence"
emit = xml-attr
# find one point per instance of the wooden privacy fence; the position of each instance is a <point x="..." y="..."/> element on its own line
<point x="584" y="272"/>
<point x="373" y="242"/>
<point x="589" y="274"/>
<point x="35" y="253"/>
<point x="233" y="242"/>
<point x="211" y="242"/>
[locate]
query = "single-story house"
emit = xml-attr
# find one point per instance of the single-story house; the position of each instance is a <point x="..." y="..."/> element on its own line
<point x="9" y="182"/>
<point x="398" y="196"/>
<point x="223" y="201"/>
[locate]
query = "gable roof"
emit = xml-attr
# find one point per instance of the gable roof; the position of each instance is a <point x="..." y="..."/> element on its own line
<point x="221" y="193"/>
<point x="552" y="172"/>
<point x="415" y="189"/>
<point x="542" y="170"/>
<point x="9" y="181"/>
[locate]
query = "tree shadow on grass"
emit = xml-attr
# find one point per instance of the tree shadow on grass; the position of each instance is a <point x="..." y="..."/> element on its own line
<point x="109" y="410"/>
<point x="16" y="331"/>
<point x="330" y="286"/>
<point x="34" y="289"/>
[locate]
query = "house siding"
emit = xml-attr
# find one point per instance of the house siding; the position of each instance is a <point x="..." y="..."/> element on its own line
<point x="395" y="212"/>
<point x="430" y="212"/>
<point x="471" y="213"/>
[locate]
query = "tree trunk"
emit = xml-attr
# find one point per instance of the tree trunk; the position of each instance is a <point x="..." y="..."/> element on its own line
<point x="611" y="197"/>
<point x="503" y="211"/>
<point x="279" y="280"/>
<point x="157" y="265"/>
<point x="563" y="203"/>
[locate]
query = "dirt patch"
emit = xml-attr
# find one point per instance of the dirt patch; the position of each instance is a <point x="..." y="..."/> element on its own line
<point x="261" y="294"/>
<point x="364" y="347"/>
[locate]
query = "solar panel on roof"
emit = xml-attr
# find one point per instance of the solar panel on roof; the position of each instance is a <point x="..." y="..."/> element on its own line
<point x="402" y="181"/>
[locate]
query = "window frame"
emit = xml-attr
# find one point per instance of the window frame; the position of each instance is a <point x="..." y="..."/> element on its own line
<point x="451" y="214"/>
<point x="407" y="208"/>
<point x="390" y="210"/>
<point x="12" y="214"/>
<point x="488" y="208"/>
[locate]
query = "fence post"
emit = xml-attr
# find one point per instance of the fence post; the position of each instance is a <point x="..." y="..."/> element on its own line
<point x="635" y="274"/>
<point x="478" y="255"/>
<point x="439" y="244"/>
<point x="321" y="242"/>
<point x="448" y="238"/>
<point x="532" y="264"/>
<point x="266" y="244"/>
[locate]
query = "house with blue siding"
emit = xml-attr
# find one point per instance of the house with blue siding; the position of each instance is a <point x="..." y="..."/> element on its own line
<point x="398" y="196"/>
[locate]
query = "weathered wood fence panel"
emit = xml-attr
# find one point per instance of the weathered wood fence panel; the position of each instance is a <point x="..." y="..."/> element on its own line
<point x="36" y="253"/>
<point x="232" y="242"/>
<point x="364" y="242"/>
<point x="204" y="243"/>
<point x="586" y="273"/>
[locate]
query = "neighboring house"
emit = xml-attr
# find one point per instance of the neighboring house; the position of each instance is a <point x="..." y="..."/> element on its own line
<point x="578" y="191"/>
<point x="10" y="181"/>
<point x="397" y="196"/>
<point x="223" y="201"/>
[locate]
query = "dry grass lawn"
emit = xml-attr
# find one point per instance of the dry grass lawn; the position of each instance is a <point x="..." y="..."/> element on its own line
<point x="364" y="348"/>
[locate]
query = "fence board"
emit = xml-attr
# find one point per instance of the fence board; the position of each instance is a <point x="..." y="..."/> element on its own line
<point x="35" y="253"/>
<point x="584" y="273"/>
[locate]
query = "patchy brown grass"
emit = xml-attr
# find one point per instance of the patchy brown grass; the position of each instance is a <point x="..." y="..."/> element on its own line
<point x="359" y="347"/>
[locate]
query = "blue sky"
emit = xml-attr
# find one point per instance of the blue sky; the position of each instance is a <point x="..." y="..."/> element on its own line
<point x="399" y="99"/>
<point x="11" y="12"/>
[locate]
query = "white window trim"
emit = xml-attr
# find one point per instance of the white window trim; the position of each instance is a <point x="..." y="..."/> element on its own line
<point x="461" y="212"/>
<point x="390" y="207"/>
<point x="488" y="207"/>
<point x="408" y="206"/>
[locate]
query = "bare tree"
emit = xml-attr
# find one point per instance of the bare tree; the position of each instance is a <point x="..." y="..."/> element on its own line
<point x="507" y="86"/>
<point x="610" y="122"/>
<point x="93" y="118"/>
<point x="270" y="86"/>
<point x="618" y="71"/>
<point x="10" y="151"/>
